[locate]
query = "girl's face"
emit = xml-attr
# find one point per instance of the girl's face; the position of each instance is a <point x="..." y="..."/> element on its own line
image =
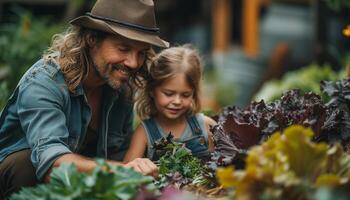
<point x="173" y="98"/>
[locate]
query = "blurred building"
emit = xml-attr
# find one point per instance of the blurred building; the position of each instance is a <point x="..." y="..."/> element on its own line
<point x="245" y="41"/>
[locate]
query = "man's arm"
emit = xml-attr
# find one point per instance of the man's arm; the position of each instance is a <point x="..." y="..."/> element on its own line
<point x="40" y="111"/>
<point x="84" y="164"/>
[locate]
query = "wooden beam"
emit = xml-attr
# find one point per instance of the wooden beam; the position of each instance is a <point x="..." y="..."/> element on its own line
<point x="250" y="34"/>
<point x="221" y="23"/>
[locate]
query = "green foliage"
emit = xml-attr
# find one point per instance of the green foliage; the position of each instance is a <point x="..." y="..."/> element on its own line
<point x="338" y="4"/>
<point x="105" y="182"/>
<point x="178" y="166"/>
<point x="307" y="79"/>
<point x="179" y="160"/>
<point x="22" y="44"/>
<point x="3" y="94"/>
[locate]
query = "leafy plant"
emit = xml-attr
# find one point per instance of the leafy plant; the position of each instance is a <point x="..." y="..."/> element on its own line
<point x="288" y="166"/>
<point x="177" y="165"/>
<point x="105" y="182"/>
<point x="226" y="152"/>
<point x="306" y="79"/>
<point x="256" y="122"/>
<point x="240" y="129"/>
<point x="338" y="117"/>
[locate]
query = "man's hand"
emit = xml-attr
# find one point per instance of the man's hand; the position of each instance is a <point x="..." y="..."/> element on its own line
<point x="144" y="166"/>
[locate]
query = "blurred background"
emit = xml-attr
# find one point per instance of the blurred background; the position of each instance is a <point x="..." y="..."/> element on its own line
<point x="253" y="49"/>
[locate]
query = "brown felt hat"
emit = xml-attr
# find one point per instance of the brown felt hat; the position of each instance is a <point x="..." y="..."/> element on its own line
<point x="133" y="19"/>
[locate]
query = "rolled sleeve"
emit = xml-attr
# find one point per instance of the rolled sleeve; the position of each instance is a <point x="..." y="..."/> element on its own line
<point x="47" y="157"/>
<point x="40" y="110"/>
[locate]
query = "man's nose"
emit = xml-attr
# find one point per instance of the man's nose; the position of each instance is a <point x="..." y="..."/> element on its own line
<point x="132" y="61"/>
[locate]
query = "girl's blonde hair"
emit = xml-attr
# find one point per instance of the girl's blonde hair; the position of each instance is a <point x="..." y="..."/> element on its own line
<point x="166" y="64"/>
<point x="73" y="54"/>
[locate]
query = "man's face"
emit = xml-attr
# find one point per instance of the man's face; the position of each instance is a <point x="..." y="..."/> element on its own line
<point x="117" y="58"/>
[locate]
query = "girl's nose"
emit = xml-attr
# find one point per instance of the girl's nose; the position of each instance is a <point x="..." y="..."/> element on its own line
<point x="177" y="99"/>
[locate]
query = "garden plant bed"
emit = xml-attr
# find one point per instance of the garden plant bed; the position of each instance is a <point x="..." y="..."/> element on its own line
<point x="293" y="148"/>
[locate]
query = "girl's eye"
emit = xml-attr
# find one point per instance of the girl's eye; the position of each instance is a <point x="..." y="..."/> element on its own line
<point x="168" y="94"/>
<point x="187" y="95"/>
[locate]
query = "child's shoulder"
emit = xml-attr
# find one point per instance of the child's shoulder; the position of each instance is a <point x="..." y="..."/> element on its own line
<point x="148" y="125"/>
<point x="207" y="120"/>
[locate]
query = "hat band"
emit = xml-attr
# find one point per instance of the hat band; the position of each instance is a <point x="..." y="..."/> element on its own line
<point x="126" y="24"/>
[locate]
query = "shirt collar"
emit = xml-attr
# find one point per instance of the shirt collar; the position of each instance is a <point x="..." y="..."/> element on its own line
<point x="108" y="92"/>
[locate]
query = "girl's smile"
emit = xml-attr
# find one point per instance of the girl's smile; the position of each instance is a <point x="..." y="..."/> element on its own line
<point x="174" y="111"/>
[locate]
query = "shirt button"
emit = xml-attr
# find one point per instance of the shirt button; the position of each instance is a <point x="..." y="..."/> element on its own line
<point x="201" y="141"/>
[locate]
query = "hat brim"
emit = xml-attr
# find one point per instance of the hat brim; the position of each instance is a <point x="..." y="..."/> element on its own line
<point x="89" y="22"/>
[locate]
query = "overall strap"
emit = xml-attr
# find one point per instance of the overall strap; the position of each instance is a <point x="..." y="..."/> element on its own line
<point x="194" y="125"/>
<point x="152" y="130"/>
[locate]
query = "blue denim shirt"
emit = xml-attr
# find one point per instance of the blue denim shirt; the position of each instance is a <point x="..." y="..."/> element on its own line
<point x="44" y="116"/>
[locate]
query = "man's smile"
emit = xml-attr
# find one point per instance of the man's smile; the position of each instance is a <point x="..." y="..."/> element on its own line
<point x="124" y="70"/>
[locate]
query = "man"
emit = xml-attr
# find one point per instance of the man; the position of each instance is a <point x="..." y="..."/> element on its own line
<point x="75" y="103"/>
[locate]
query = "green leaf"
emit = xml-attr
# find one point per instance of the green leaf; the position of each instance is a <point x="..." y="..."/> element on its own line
<point x="105" y="182"/>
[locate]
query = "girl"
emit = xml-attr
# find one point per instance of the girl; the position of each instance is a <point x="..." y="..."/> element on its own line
<point x="170" y="102"/>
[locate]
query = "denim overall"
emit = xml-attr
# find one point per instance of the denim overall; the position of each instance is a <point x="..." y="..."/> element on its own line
<point x="195" y="136"/>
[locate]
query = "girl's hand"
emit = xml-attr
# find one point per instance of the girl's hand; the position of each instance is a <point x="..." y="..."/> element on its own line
<point x="143" y="165"/>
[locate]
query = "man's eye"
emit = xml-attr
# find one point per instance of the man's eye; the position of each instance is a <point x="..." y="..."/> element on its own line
<point x="143" y="53"/>
<point x="123" y="49"/>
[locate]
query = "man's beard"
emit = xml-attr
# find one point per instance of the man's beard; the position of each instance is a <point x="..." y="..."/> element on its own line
<point x="106" y="75"/>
